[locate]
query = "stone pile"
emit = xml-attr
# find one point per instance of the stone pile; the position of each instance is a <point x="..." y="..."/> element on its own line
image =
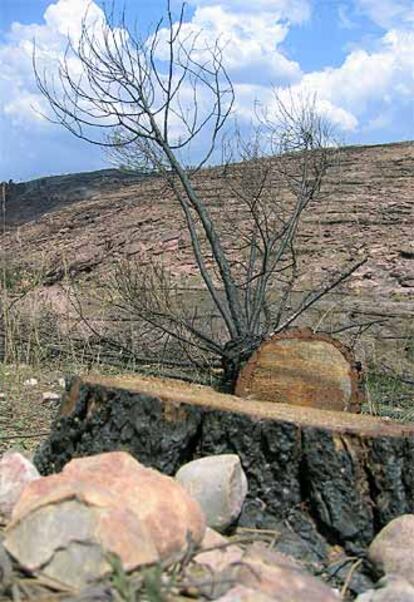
<point x="69" y="527"/>
<point x="63" y="526"/>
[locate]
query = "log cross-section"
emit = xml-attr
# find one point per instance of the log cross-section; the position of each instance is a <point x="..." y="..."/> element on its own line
<point x="300" y="367"/>
<point x="346" y="474"/>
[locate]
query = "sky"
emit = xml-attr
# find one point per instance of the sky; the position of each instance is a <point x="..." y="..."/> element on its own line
<point x="355" y="56"/>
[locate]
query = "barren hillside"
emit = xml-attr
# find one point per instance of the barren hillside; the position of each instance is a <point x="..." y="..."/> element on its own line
<point x="87" y="221"/>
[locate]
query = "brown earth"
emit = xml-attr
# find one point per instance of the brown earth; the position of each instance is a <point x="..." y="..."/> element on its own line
<point x="83" y="223"/>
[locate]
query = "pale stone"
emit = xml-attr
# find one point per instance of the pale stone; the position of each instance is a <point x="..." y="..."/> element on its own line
<point x="280" y="578"/>
<point x="219" y="554"/>
<point x="219" y="485"/>
<point x="396" y="590"/>
<point x="213" y="566"/>
<point x="392" y="550"/>
<point x="366" y="596"/>
<point x="260" y="574"/>
<point x="16" y="472"/>
<point x="240" y="593"/>
<point x="64" y="525"/>
<point x="31" y="382"/>
<point x="6" y="569"/>
<point x="51" y="397"/>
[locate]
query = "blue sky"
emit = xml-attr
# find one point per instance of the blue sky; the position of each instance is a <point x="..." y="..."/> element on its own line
<point x="357" y="56"/>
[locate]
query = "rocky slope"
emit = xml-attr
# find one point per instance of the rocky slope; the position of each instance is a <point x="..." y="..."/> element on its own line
<point x="84" y="222"/>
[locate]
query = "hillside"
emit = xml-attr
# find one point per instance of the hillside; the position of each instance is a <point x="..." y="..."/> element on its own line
<point x="82" y="223"/>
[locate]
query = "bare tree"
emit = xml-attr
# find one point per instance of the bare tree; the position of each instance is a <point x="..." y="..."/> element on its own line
<point x="152" y="101"/>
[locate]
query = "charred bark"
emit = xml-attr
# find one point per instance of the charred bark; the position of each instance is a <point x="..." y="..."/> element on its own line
<point x="345" y="475"/>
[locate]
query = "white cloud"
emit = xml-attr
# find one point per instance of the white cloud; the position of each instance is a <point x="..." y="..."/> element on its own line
<point x="366" y="84"/>
<point x="345" y="21"/>
<point x="388" y="13"/>
<point x="363" y="94"/>
<point x="251" y="40"/>
<point x="19" y="98"/>
<point x="353" y="95"/>
<point x="26" y="109"/>
<point x="294" y="11"/>
<point x="66" y="16"/>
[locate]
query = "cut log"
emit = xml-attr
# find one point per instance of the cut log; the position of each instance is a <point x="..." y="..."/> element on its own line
<point x="302" y="368"/>
<point x="343" y="476"/>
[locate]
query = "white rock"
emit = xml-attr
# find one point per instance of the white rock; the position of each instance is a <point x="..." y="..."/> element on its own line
<point x="239" y="593"/>
<point x="396" y="589"/>
<point x="50" y="396"/>
<point x="219" y="485"/>
<point x="392" y="550"/>
<point x="61" y="382"/>
<point x="31" y="382"/>
<point x="16" y="472"/>
<point x="219" y="555"/>
<point x="366" y="596"/>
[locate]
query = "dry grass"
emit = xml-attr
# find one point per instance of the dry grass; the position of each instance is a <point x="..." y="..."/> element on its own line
<point x="25" y="416"/>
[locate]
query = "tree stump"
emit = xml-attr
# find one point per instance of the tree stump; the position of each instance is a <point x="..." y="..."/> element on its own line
<point x="303" y="368"/>
<point x="341" y="476"/>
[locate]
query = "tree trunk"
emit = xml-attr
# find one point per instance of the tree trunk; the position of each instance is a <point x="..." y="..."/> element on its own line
<point x="340" y="475"/>
<point x="302" y="368"/>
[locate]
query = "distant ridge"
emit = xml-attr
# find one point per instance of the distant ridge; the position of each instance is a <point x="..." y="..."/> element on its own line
<point x="84" y="223"/>
<point x="29" y="200"/>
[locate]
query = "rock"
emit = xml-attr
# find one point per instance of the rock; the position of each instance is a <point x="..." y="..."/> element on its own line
<point x="31" y="382"/>
<point x="51" y="397"/>
<point x="407" y="251"/>
<point x="213" y="568"/>
<point x="219" y="485"/>
<point x="280" y="578"/>
<point x="258" y="573"/>
<point x="396" y="590"/>
<point x="240" y="593"/>
<point x="6" y="569"/>
<point x="392" y="550"/>
<point x="64" y="525"/>
<point x="219" y="554"/>
<point x="366" y="596"/>
<point x="100" y="592"/>
<point x="16" y="472"/>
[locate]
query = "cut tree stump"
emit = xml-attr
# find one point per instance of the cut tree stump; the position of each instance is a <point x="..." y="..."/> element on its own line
<point x="302" y="368"/>
<point x="337" y="477"/>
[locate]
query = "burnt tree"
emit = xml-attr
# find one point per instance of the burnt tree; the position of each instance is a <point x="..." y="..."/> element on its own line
<point x="338" y="476"/>
<point x="130" y="95"/>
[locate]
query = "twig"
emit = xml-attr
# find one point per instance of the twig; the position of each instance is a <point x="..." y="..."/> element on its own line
<point x="273" y="532"/>
<point x="349" y="576"/>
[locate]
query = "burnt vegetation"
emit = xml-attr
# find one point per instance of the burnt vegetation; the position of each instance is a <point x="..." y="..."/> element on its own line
<point x="131" y="97"/>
